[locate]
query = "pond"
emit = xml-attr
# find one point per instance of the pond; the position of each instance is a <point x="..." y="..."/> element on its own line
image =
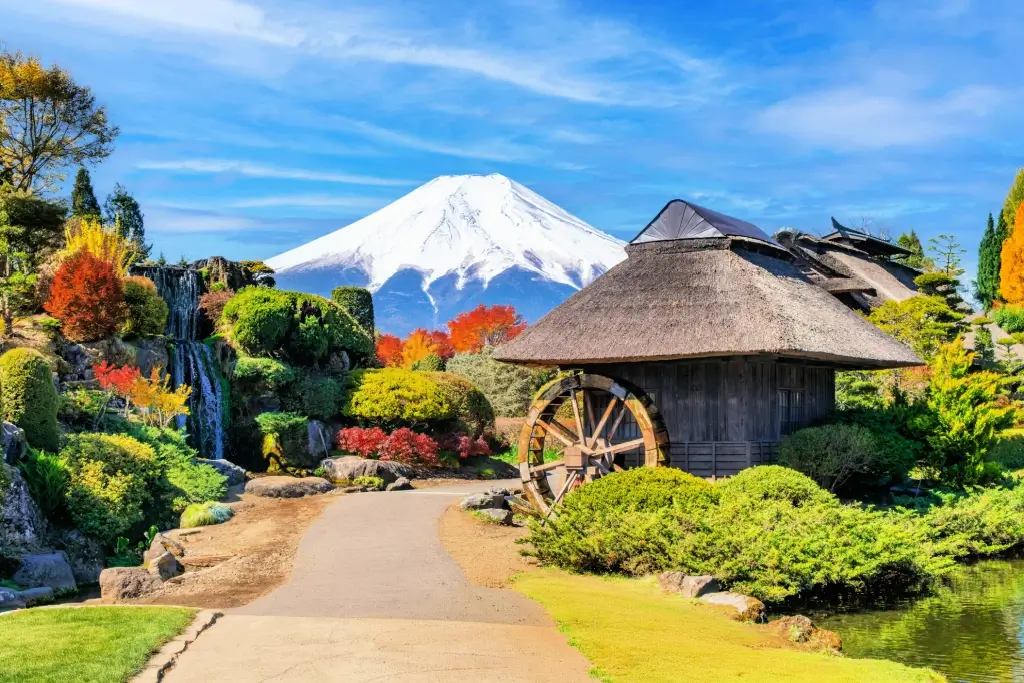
<point x="971" y="630"/>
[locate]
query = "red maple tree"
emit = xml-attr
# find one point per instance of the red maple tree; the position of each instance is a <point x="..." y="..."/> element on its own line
<point x="442" y="343"/>
<point x="119" y="380"/>
<point x="87" y="297"/>
<point x="483" y="326"/>
<point x="389" y="350"/>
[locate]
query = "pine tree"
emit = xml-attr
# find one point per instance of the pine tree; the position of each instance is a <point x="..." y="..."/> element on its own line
<point x="912" y="243"/>
<point x="121" y="209"/>
<point x="987" y="285"/>
<point x="947" y="251"/>
<point x="83" y="199"/>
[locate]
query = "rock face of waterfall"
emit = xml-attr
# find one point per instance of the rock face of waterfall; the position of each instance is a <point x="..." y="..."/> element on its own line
<point x="192" y="361"/>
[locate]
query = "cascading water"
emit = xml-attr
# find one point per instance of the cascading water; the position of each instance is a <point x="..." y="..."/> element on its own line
<point x="192" y="361"/>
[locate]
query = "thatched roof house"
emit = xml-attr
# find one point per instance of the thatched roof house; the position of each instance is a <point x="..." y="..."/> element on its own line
<point x="713" y="320"/>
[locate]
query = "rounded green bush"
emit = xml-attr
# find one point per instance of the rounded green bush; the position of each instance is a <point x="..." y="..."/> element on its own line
<point x="205" y="514"/>
<point x="644" y="489"/>
<point x="29" y="398"/>
<point x="146" y="309"/>
<point x="394" y="397"/>
<point x="829" y="454"/>
<point x="267" y="371"/>
<point x="357" y="302"/>
<point x="110" y="478"/>
<point x="472" y="411"/>
<point x="773" y="482"/>
<point x="429" y="363"/>
<point x="259" y="319"/>
<point x="1010" y="318"/>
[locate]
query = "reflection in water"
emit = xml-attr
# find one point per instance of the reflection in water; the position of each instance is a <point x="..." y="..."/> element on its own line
<point x="972" y="630"/>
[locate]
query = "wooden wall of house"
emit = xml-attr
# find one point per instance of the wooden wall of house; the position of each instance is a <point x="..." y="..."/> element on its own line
<point x="725" y="414"/>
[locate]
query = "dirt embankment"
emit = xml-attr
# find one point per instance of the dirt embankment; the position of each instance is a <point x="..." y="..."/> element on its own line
<point x="487" y="553"/>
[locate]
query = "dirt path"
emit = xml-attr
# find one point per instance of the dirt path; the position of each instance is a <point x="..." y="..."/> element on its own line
<point x="374" y="596"/>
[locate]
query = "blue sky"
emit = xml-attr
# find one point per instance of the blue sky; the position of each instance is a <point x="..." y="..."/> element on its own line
<point x="251" y="126"/>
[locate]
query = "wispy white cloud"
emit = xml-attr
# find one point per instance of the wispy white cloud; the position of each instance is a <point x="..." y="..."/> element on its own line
<point x="860" y="118"/>
<point x="313" y="201"/>
<point x="255" y="170"/>
<point x="490" y="150"/>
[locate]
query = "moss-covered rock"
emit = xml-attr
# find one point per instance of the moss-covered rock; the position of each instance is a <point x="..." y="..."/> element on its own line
<point x="284" y="441"/>
<point x="29" y="397"/>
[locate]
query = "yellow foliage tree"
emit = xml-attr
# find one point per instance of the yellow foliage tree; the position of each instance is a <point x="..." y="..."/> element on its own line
<point x="1011" y="270"/>
<point x="156" y="401"/>
<point x="418" y="346"/>
<point x="105" y="243"/>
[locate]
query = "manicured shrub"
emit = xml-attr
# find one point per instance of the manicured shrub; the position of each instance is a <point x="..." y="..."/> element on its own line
<point x="146" y="311"/>
<point x="47" y="482"/>
<point x="896" y="450"/>
<point x="365" y="442"/>
<point x="369" y="482"/>
<point x="205" y="514"/>
<point x="829" y="454"/>
<point x="393" y="397"/>
<point x="259" y="319"/>
<point x="984" y="523"/>
<point x="645" y="489"/>
<point x="1010" y="318"/>
<point x="773" y="482"/>
<point x="357" y="302"/>
<point x="87" y="297"/>
<point x="473" y="413"/>
<point x="405" y="445"/>
<point x="269" y="372"/>
<point x="284" y="441"/>
<point x="195" y="483"/>
<point x="429" y="363"/>
<point x="108" y="482"/>
<point x="315" y="396"/>
<point x="29" y="398"/>
<point x="509" y="388"/>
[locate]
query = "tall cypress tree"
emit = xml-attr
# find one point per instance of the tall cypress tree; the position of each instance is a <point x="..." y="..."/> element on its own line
<point x="83" y="199"/>
<point x="986" y="287"/>
<point x="1002" y="233"/>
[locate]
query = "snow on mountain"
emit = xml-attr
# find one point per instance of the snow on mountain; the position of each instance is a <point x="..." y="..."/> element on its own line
<point x="451" y="244"/>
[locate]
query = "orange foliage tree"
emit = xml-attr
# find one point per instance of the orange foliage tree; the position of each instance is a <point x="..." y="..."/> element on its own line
<point x="389" y="350"/>
<point x="87" y="297"/>
<point x="442" y="343"/>
<point x="418" y="345"/>
<point x="483" y="326"/>
<point x="1011" y="270"/>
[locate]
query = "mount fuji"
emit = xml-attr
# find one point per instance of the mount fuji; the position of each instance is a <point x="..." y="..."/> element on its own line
<point x="451" y="244"/>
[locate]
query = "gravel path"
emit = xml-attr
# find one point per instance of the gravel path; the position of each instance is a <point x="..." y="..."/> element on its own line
<point x="373" y="596"/>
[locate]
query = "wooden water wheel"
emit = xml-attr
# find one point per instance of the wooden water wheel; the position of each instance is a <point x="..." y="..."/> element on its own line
<point x="584" y="426"/>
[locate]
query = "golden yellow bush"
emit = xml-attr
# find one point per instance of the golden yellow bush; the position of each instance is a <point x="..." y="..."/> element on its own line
<point x="103" y="242"/>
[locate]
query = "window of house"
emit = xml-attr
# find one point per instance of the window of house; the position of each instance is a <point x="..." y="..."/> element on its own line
<point x="791" y="410"/>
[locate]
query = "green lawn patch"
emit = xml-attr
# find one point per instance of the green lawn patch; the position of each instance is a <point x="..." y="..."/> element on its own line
<point x="85" y="645"/>
<point x="632" y="633"/>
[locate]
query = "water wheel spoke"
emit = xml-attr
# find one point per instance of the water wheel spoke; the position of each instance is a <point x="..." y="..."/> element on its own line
<point x="580" y="429"/>
<point x="604" y="420"/>
<point x="559" y="432"/>
<point x="547" y="466"/>
<point x="589" y="408"/>
<point x="626" y="446"/>
<point x="618" y="421"/>
<point x="569" y="479"/>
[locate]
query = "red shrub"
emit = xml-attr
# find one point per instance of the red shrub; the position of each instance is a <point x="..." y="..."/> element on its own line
<point x="405" y="445"/>
<point x="463" y="446"/>
<point x="364" y="442"/>
<point x="87" y="297"/>
<point x="112" y="378"/>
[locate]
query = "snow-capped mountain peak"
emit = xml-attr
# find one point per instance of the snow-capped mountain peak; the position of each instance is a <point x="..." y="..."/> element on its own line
<point x="454" y="233"/>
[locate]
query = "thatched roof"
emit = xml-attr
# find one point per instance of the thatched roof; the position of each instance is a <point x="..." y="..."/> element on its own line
<point x="864" y="241"/>
<point x="691" y="298"/>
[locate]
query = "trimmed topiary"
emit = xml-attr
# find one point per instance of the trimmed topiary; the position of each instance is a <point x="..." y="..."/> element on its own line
<point x="284" y="441"/>
<point x="829" y="454"/>
<point x="29" y="398"/>
<point x="508" y="387"/>
<point x="205" y="514"/>
<point x="773" y="482"/>
<point x="472" y="411"/>
<point x="394" y="397"/>
<point x="259" y="319"/>
<point x="272" y="373"/>
<point x="357" y="302"/>
<point x="146" y="309"/>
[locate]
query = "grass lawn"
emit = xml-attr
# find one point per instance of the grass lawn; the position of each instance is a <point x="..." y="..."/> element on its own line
<point x="632" y="633"/>
<point x="85" y="645"/>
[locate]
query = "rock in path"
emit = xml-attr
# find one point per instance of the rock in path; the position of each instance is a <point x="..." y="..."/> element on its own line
<point x="400" y="484"/>
<point x="747" y="608"/>
<point x="483" y="501"/>
<point x="349" y="467"/>
<point x="287" y="487"/>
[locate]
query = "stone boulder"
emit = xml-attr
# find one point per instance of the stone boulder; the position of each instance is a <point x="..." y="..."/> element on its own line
<point x="348" y="467"/>
<point x="22" y="524"/>
<point x="496" y="515"/>
<point x="127" y="583"/>
<point x="747" y="608"/>
<point x="48" y="569"/>
<point x="801" y="630"/>
<point x="483" y="501"/>
<point x="160" y="545"/>
<point x="688" y="586"/>
<point x="165" y="566"/>
<point x="15" y="447"/>
<point x="85" y="555"/>
<point x="400" y="484"/>
<point x="10" y="599"/>
<point x="319" y="438"/>
<point x="287" y="487"/>
<point x="234" y="473"/>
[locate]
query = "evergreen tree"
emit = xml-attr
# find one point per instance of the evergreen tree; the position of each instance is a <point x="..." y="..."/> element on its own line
<point x="83" y="199"/>
<point x="912" y="243"/>
<point x="986" y="288"/>
<point x="121" y="209"/>
<point x="947" y="252"/>
<point x="1014" y="198"/>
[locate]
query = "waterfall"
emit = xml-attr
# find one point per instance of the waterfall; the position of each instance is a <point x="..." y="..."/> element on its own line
<point x="192" y="361"/>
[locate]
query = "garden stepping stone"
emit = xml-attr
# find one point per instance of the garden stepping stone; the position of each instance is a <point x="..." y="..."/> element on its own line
<point x="287" y="487"/>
